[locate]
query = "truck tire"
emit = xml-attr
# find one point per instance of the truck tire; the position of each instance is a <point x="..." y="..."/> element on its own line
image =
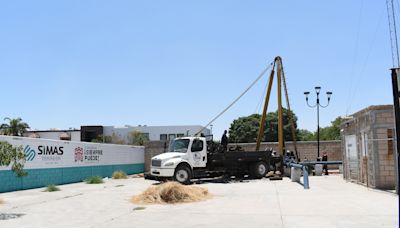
<point x="260" y="169"/>
<point x="182" y="174"/>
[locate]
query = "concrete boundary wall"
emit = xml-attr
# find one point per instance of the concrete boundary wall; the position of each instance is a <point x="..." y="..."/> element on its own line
<point x="62" y="162"/>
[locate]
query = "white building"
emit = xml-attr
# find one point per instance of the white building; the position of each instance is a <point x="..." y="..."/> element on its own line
<point x="154" y="133"/>
<point x="114" y="134"/>
<point x="70" y="135"/>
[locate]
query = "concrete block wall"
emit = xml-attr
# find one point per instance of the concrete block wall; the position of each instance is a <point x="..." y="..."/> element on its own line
<point x="385" y="172"/>
<point x="305" y="149"/>
<point x="376" y="161"/>
<point x="153" y="148"/>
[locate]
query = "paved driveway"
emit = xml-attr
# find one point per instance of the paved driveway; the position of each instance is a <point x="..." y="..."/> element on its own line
<point x="331" y="202"/>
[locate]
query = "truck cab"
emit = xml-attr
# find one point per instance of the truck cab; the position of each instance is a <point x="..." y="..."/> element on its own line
<point x="184" y="155"/>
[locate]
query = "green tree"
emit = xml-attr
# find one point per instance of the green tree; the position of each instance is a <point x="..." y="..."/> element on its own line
<point x="245" y="129"/>
<point x="305" y="135"/>
<point x="138" y="138"/>
<point x="14" y="156"/>
<point x="14" y="127"/>
<point x="331" y="132"/>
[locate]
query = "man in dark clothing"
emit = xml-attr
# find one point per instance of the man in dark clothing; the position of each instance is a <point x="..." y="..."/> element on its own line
<point x="325" y="158"/>
<point x="224" y="141"/>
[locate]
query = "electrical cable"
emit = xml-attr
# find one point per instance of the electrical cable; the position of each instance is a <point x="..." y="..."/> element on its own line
<point x="258" y="107"/>
<point x="237" y="99"/>
<point x="361" y="75"/>
<point x="355" y="55"/>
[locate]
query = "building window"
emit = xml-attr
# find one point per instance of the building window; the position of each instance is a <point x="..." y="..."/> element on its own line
<point x="146" y="136"/>
<point x="163" y="137"/>
<point x="390" y="140"/>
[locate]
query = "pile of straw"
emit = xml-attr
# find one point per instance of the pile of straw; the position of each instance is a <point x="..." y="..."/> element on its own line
<point x="171" y="193"/>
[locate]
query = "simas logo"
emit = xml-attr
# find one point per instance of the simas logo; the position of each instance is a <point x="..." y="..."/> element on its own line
<point x="30" y="153"/>
<point x="50" y="150"/>
<point x="79" y="154"/>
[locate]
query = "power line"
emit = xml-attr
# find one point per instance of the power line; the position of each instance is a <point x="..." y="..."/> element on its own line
<point x="361" y="75"/>
<point x="355" y="55"/>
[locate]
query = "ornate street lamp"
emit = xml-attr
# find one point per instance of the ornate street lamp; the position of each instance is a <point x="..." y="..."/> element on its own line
<point x="317" y="104"/>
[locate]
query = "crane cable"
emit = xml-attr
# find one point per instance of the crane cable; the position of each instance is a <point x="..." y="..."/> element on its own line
<point x="238" y="98"/>
<point x="291" y="120"/>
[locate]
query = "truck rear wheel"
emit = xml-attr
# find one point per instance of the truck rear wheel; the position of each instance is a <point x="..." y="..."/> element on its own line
<point x="182" y="174"/>
<point x="260" y="169"/>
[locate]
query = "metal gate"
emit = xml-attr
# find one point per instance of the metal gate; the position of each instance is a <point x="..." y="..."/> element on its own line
<point x="351" y="156"/>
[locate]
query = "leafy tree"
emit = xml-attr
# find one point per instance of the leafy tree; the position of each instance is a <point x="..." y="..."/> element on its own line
<point x="14" y="127"/>
<point x="137" y="138"/>
<point x="98" y="139"/>
<point x="305" y="135"/>
<point x="14" y="156"/>
<point x="331" y="132"/>
<point x="245" y="129"/>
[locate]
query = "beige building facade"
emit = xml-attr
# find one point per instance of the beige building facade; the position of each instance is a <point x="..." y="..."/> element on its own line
<point x="368" y="147"/>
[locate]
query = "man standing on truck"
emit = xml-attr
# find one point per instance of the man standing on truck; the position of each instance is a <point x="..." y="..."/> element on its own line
<point x="224" y="140"/>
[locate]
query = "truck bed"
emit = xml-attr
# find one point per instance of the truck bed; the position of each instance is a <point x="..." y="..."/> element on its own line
<point x="237" y="161"/>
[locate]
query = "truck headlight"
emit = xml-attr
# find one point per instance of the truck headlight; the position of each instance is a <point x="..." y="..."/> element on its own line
<point x="169" y="164"/>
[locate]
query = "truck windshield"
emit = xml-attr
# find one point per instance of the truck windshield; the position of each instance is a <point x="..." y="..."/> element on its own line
<point x="179" y="145"/>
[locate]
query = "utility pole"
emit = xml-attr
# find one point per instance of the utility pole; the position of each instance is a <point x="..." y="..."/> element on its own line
<point x="396" y="99"/>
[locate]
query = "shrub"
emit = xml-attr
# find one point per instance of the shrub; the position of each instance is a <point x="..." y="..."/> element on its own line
<point x="119" y="175"/>
<point x="14" y="156"/>
<point x="52" y="188"/>
<point x="94" y="180"/>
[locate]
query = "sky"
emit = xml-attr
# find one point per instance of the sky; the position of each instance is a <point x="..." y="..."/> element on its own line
<point x="70" y="63"/>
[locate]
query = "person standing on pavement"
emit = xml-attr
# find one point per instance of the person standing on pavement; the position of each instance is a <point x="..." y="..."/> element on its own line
<point x="224" y="140"/>
<point x="325" y="158"/>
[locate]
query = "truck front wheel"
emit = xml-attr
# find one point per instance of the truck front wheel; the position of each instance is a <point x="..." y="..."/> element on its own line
<point x="182" y="174"/>
<point x="260" y="169"/>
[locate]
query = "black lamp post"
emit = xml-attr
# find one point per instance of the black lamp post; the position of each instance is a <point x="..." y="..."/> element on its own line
<point x="317" y="104"/>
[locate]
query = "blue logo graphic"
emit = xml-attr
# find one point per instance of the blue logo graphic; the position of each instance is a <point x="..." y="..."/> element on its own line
<point x="30" y="153"/>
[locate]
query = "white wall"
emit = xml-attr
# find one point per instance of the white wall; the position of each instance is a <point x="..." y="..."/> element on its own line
<point x="43" y="153"/>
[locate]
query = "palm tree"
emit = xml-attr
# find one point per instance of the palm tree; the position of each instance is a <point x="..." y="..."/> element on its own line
<point x="14" y="127"/>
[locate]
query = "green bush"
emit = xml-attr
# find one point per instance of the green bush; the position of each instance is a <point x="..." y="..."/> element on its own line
<point x="119" y="175"/>
<point x="52" y="188"/>
<point x="94" y="180"/>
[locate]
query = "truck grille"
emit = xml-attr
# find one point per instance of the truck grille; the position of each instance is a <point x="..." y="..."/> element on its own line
<point x="156" y="163"/>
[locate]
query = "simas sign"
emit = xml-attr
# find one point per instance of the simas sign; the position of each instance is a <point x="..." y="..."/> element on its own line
<point x="44" y="153"/>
